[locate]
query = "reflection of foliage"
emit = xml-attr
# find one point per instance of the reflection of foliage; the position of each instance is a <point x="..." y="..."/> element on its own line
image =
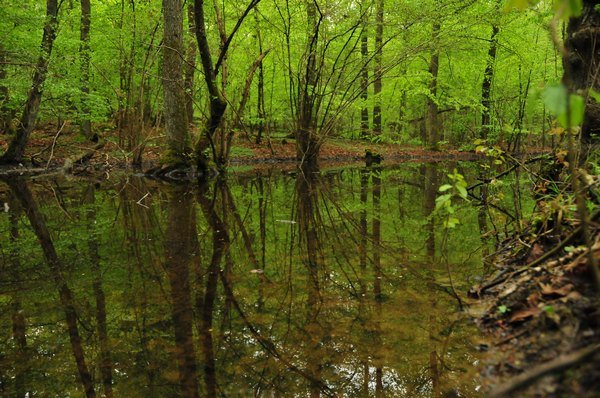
<point x="348" y="335"/>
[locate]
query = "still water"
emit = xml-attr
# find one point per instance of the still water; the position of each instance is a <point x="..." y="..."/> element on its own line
<point x="272" y="284"/>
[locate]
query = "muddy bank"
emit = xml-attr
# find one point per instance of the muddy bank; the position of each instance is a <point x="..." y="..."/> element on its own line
<point x="540" y="309"/>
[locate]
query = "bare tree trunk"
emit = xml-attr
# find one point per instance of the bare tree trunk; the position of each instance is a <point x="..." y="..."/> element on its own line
<point x="217" y="102"/>
<point x="260" y="101"/>
<point x="486" y="86"/>
<point x="176" y="128"/>
<point x="190" y="65"/>
<point x="16" y="148"/>
<point x="364" y="80"/>
<point x="431" y="121"/>
<point x="6" y="114"/>
<point x="583" y="64"/>
<point x="84" y="59"/>
<point x="378" y="71"/>
<point x="307" y="145"/>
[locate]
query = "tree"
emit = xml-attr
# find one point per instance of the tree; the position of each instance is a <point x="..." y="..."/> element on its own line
<point x="84" y="59"/>
<point x="176" y="121"/>
<point x="217" y="101"/>
<point x="581" y="63"/>
<point x="378" y="71"/>
<point x="16" y="149"/>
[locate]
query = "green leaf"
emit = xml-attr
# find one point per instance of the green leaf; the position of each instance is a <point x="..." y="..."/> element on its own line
<point x="577" y="103"/>
<point x="462" y="191"/>
<point x="593" y="93"/>
<point x="555" y="98"/>
<point x="445" y="187"/>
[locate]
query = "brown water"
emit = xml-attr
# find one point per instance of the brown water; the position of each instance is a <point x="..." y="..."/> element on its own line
<point x="266" y="285"/>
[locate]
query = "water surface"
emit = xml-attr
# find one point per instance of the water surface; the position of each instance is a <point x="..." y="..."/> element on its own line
<point x="339" y="283"/>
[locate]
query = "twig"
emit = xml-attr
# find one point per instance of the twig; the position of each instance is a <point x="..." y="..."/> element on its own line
<point x="54" y="144"/>
<point x="557" y="365"/>
<point x="139" y="202"/>
<point x="505" y="172"/>
<point x="504" y="276"/>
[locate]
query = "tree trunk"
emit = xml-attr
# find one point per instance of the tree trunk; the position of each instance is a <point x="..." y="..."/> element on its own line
<point x="16" y="149"/>
<point x="307" y="143"/>
<point x="431" y="121"/>
<point x="84" y="59"/>
<point x="378" y="70"/>
<point x="581" y="65"/>
<point x="218" y="105"/>
<point x="364" y="80"/>
<point x="190" y="65"/>
<point x="260" y="101"/>
<point x="6" y="114"/>
<point x="176" y="128"/>
<point x="486" y="86"/>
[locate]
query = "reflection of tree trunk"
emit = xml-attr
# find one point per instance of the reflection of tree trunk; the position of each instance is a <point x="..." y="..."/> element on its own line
<point x="309" y="225"/>
<point x="362" y="247"/>
<point x="16" y="148"/>
<point x="18" y="319"/>
<point x="105" y="358"/>
<point x="40" y="229"/>
<point x="377" y="292"/>
<point x="179" y="253"/>
<point x="431" y="178"/>
<point x="137" y="222"/>
<point x="220" y="245"/>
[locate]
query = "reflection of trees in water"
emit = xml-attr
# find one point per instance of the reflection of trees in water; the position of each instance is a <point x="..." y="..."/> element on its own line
<point x="209" y="294"/>
<point x="67" y="300"/>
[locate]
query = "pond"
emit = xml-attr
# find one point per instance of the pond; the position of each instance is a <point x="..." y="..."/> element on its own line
<point x="269" y="284"/>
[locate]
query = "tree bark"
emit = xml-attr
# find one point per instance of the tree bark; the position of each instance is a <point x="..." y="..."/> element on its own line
<point x="16" y="148"/>
<point x="486" y="86"/>
<point x="431" y="121"/>
<point x="378" y="70"/>
<point x="190" y="65"/>
<point x="6" y="114"/>
<point x="364" y="80"/>
<point x="307" y="143"/>
<point x="581" y="65"/>
<point x="176" y="128"/>
<point x="84" y="59"/>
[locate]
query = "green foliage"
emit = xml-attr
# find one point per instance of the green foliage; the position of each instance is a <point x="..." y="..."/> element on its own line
<point x="568" y="114"/>
<point x="456" y="189"/>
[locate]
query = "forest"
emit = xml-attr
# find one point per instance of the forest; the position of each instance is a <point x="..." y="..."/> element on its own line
<point x="362" y="198"/>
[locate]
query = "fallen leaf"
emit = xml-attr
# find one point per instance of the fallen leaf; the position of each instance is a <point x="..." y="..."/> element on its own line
<point x="524" y="314"/>
<point x="549" y="290"/>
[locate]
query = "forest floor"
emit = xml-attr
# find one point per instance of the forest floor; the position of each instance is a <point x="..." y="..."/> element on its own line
<point x="540" y="308"/>
<point x="50" y="149"/>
